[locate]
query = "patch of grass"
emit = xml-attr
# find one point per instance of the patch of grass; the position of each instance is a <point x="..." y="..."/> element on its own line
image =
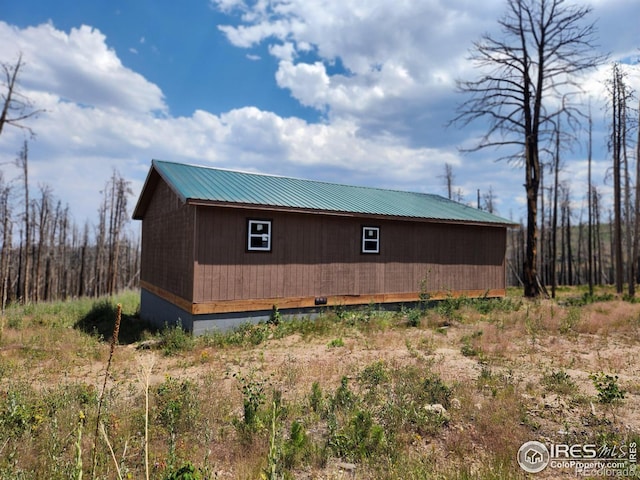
<point x="586" y="299"/>
<point x="99" y="321"/>
<point x="559" y="381"/>
<point x="570" y="320"/>
<point x="469" y="346"/>
<point x="174" y="340"/>
<point x="335" y="343"/>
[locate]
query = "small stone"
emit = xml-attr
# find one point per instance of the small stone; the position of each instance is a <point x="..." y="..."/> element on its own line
<point x="348" y="467"/>
<point x="436" y="408"/>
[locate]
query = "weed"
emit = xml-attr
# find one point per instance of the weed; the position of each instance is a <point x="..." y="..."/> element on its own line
<point x="412" y="316"/>
<point x="587" y="299"/>
<point x="186" y="472"/>
<point x="176" y="410"/>
<point x="374" y="375"/>
<point x="450" y="306"/>
<point x="274" y="467"/>
<point x="468" y="348"/>
<point x="607" y="386"/>
<point x="570" y="321"/>
<point x="436" y="391"/>
<point x="275" y="317"/>
<point x="114" y="341"/>
<point x="253" y="396"/>
<point x="174" y="339"/>
<point x="335" y="343"/>
<point x="560" y="382"/>
<point x="316" y="398"/>
<point x="533" y="326"/>
<point x="487" y="305"/>
<point x="344" y="398"/>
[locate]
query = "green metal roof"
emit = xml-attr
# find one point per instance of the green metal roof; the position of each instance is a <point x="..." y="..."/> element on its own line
<point x="205" y="184"/>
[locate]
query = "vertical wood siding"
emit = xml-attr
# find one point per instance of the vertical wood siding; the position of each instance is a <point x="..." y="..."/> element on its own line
<point x="167" y="243"/>
<point x="318" y="255"/>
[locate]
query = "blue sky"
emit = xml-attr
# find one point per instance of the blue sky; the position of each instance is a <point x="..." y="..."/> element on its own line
<point x="348" y="91"/>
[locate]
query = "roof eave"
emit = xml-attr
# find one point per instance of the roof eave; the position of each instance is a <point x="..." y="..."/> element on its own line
<point x="338" y="213"/>
<point x="150" y="184"/>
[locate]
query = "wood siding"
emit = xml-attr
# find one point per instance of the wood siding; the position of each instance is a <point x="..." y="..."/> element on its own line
<point x="167" y="244"/>
<point x="319" y="256"/>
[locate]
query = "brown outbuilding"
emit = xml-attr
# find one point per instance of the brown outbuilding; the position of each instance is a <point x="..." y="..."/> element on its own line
<point x="221" y="247"/>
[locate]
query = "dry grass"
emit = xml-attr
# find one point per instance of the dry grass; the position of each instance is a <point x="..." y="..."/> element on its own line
<point x="514" y="371"/>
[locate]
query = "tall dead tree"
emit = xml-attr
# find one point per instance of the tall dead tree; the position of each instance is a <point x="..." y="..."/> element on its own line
<point x="597" y="240"/>
<point x="619" y="96"/>
<point x="117" y="218"/>
<point x="448" y="179"/>
<point x="544" y="47"/>
<point x="590" y="209"/>
<point x="25" y="246"/>
<point x="5" y="254"/>
<point x="554" y="225"/>
<point x="635" y="261"/>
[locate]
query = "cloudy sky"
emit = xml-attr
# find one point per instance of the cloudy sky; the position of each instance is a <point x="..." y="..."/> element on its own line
<point x="350" y="91"/>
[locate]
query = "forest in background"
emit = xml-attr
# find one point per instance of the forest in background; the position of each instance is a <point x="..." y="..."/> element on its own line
<point x="45" y="255"/>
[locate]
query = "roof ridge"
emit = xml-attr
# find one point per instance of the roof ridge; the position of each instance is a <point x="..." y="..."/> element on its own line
<point x="288" y="177"/>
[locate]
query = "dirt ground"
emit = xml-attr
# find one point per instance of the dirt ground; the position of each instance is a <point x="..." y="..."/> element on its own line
<point x="521" y="348"/>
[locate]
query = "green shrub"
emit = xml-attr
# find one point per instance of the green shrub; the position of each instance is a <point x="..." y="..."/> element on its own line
<point x="344" y="398"/>
<point x="176" y="405"/>
<point x="607" y="386"/>
<point x="295" y="448"/>
<point x="468" y="349"/>
<point x="186" y="472"/>
<point x="570" y="321"/>
<point x="173" y="340"/>
<point x="316" y="398"/>
<point x="413" y="316"/>
<point x="253" y="397"/>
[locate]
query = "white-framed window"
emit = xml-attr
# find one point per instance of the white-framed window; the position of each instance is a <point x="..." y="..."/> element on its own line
<point x="259" y="236"/>
<point x="370" y="239"/>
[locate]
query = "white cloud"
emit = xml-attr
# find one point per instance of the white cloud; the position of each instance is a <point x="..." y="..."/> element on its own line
<point x="79" y="67"/>
<point x="94" y="124"/>
<point x="399" y="59"/>
<point x="381" y="72"/>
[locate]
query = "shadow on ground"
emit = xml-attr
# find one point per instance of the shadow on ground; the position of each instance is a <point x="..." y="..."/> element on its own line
<point x="101" y="320"/>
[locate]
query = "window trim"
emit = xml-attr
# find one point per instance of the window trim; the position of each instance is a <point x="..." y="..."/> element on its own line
<point x="250" y="236"/>
<point x="365" y="240"/>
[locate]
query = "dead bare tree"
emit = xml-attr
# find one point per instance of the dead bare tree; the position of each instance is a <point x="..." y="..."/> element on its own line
<point x="545" y="46"/>
<point x="448" y="179"/>
<point x="636" y="237"/>
<point x="16" y="107"/>
<point x="5" y="254"/>
<point x="488" y="201"/>
<point x="120" y="190"/>
<point x="619" y="93"/>
<point x="25" y="248"/>
<point x="590" y="208"/>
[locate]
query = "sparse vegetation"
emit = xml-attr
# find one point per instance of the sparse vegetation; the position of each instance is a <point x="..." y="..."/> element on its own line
<point x="609" y="390"/>
<point x="353" y="391"/>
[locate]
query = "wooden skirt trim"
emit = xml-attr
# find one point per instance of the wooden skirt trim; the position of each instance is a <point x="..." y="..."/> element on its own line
<point x="178" y="301"/>
<point x="252" y="305"/>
